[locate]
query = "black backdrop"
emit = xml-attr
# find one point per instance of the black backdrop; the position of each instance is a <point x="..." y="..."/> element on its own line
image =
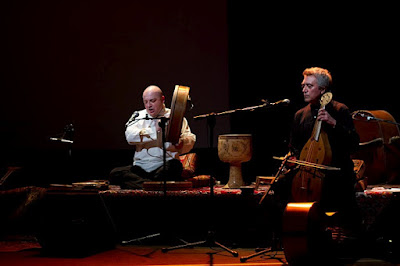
<point x="270" y="46"/>
<point x="87" y="63"/>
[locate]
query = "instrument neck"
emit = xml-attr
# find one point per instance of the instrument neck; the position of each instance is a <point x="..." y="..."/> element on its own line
<point x="317" y="128"/>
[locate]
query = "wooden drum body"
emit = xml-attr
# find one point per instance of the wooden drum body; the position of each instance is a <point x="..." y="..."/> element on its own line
<point x="178" y="109"/>
<point x="235" y="149"/>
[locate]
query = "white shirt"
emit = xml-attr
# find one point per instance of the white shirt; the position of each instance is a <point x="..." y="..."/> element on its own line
<point x="149" y="152"/>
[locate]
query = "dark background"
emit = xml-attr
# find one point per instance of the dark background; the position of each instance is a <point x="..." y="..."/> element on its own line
<point x="87" y="63"/>
<point x="270" y="45"/>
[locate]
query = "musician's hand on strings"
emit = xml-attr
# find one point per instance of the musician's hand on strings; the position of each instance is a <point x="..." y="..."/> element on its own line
<point x="324" y="116"/>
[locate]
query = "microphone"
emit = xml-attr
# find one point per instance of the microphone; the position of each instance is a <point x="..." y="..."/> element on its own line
<point x="367" y="117"/>
<point x="133" y="117"/>
<point x="284" y="101"/>
<point x="62" y="140"/>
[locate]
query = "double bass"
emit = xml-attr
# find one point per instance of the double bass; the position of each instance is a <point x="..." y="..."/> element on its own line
<point x="379" y="145"/>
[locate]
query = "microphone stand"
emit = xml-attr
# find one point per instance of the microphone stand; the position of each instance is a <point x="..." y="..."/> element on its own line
<point x="211" y="118"/>
<point x="67" y="137"/>
<point x="274" y="242"/>
<point x="250" y="108"/>
<point x="210" y="238"/>
<point x="162" y="123"/>
<point x="211" y="121"/>
<point x="212" y="114"/>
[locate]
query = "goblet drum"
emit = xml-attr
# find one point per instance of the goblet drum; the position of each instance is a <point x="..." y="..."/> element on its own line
<point x="235" y="149"/>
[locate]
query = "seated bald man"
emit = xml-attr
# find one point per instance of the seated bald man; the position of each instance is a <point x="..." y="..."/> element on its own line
<point x="146" y="135"/>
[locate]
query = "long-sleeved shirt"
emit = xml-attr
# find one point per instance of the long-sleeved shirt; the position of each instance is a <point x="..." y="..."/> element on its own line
<point x="148" y="141"/>
<point x="343" y="138"/>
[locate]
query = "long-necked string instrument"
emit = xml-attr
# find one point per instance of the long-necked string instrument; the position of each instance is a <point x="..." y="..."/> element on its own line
<point x="303" y="220"/>
<point x="315" y="157"/>
<point x="312" y="161"/>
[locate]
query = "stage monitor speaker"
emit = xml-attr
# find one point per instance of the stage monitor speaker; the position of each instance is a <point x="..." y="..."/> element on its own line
<point x="75" y="224"/>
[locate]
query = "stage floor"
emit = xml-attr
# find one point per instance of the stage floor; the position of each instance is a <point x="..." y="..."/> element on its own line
<point x="87" y="217"/>
<point x="24" y="250"/>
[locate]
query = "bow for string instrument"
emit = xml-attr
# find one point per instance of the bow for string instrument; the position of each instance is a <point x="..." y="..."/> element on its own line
<point x="315" y="157"/>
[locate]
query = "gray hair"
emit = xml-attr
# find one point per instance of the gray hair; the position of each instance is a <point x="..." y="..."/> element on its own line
<point x="322" y="75"/>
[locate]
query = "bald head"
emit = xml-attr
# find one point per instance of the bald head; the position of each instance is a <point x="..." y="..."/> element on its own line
<point x="152" y="89"/>
<point x="153" y="100"/>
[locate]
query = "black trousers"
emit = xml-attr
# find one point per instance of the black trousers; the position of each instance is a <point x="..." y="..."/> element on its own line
<point x="132" y="176"/>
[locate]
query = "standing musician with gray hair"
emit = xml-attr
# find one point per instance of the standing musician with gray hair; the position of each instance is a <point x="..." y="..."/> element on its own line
<point x="337" y="189"/>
